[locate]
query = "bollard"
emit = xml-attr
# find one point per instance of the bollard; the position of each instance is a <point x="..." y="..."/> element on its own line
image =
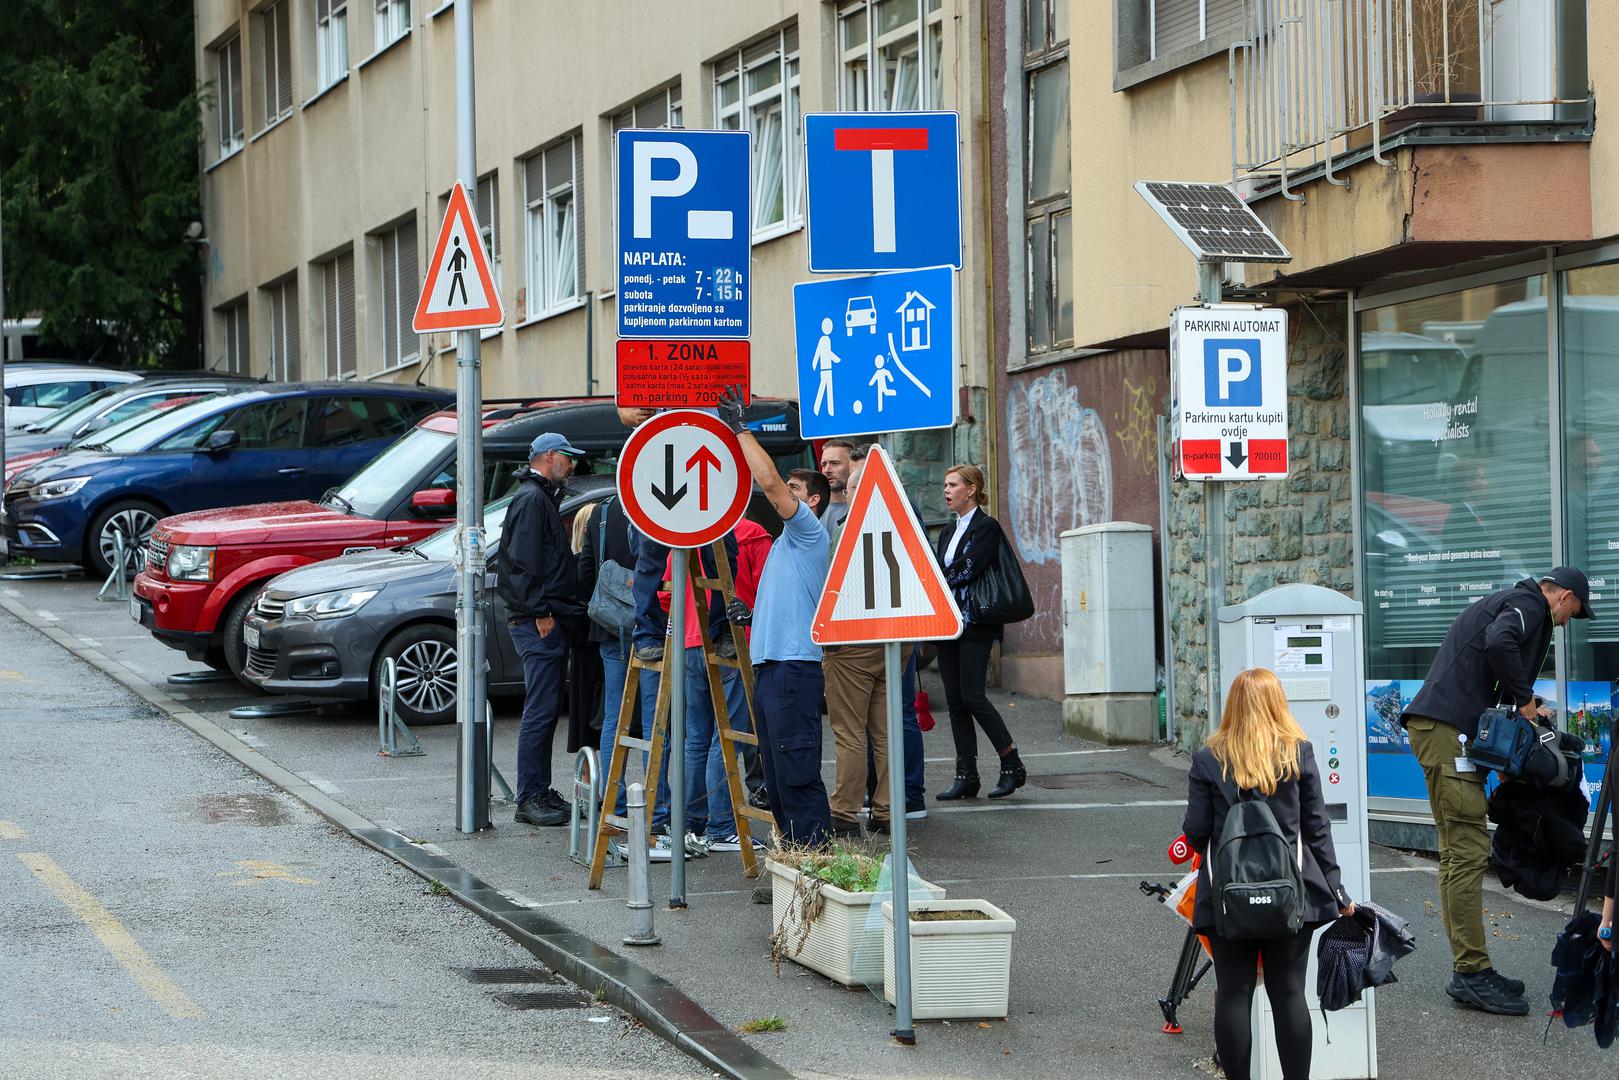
<point x="640" y="898"/>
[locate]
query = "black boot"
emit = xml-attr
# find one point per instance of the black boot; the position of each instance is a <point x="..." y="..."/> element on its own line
<point x="967" y="782"/>
<point x="1013" y="776"/>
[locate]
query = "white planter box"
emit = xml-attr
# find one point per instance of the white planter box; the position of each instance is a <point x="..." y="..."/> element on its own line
<point x="844" y="942"/>
<point x="959" y="969"/>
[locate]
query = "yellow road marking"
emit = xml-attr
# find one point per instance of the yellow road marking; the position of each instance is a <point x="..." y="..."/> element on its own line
<point x="16" y="676"/>
<point x="10" y="831"/>
<point x="117" y="940"/>
<point x="255" y="870"/>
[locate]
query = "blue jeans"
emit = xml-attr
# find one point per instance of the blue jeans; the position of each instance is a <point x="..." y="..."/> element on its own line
<point x="708" y="794"/>
<point x="915" y="788"/>
<point x="651" y="562"/>
<point x="544" y="663"/>
<point x="615" y="669"/>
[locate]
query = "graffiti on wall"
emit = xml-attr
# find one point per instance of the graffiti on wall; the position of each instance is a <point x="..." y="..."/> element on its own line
<point x="1136" y="421"/>
<point x="1059" y="471"/>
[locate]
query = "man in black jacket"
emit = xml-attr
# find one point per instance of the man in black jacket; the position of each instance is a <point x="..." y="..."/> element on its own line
<point x="1491" y="656"/>
<point x="537" y="584"/>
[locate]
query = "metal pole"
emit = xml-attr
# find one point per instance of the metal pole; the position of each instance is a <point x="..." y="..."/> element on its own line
<point x="472" y="763"/>
<point x="674" y="669"/>
<point x="640" y="899"/>
<point x="899" y="863"/>
<point x="1211" y="284"/>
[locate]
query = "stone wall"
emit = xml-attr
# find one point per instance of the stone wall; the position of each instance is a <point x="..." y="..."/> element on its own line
<point x="1276" y="531"/>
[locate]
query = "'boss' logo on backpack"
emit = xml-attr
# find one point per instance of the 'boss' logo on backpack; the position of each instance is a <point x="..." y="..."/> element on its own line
<point x="1261" y="900"/>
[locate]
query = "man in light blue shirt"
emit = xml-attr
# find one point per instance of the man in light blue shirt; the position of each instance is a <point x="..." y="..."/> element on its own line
<point x="786" y="662"/>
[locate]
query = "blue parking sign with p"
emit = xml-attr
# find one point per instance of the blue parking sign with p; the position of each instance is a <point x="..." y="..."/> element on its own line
<point x="684" y="233"/>
<point x="1231" y="372"/>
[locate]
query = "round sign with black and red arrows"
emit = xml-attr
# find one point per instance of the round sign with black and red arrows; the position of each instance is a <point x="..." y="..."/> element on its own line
<point x="682" y="478"/>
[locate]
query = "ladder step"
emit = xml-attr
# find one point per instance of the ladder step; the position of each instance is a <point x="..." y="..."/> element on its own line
<point x="747" y="738"/>
<point x="643" y="745"/>
<point x="753" y="813"/>
<point x="727" y="661"/>
<point x="616" y="822"/>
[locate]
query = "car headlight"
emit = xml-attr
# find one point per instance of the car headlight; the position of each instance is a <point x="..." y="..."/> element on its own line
<point x="59" y="488"/>
<point x="188" y="562"/>
<point x="330" y="605"/>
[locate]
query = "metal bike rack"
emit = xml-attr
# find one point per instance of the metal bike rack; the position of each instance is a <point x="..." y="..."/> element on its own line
<point x="389" y="726"/>
<point x="586" y="792"/>
<point x="494" y="774"/>
<point x="118" y="580"/>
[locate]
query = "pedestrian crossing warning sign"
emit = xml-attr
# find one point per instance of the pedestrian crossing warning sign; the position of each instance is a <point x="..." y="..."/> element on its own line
<point x="884" y="585"/>
<point x="460" y="292"/>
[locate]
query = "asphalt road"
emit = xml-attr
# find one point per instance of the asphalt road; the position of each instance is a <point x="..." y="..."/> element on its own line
<point x="168" y="914"/>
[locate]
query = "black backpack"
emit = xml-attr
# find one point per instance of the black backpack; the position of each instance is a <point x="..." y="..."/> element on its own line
<point x="1256" y="875"/>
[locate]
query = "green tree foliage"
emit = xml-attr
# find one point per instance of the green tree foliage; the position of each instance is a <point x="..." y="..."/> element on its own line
<point x="99" y="129"/>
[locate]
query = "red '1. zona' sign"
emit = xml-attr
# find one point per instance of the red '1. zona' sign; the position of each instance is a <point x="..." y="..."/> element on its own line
<point x="681" y="374"/>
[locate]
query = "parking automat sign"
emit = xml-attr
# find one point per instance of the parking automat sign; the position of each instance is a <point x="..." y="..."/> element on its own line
<point x="882" y="190"/>
<point x="682" y="479"/>
<point x="684" y="234"/>
<point x="876" y="353"/>
<point x="1230" y="369"/>
<point x="681" y="374"/>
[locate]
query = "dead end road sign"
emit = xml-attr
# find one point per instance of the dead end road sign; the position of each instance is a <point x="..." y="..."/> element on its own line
<point x="884" y="585"/>
<point x="681" y="374"/>
<point x="460" y="292"/>
<point x="682" y="479"/>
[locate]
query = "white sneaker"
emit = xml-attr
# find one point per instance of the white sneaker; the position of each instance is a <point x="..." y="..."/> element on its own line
<point x="662" y="850"/>
<point x="916" y="815"/>
<point x="732" y="842"/>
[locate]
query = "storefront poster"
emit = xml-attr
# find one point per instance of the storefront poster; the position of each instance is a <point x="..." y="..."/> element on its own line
<point x="1392" y="771"/>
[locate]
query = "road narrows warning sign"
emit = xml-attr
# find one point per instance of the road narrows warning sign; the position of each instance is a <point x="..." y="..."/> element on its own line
<point x="884" y="585"/>
<point x="460" y="292"/>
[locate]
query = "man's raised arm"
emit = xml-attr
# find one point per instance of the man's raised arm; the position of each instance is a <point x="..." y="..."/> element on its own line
<point x="760" y="463"/>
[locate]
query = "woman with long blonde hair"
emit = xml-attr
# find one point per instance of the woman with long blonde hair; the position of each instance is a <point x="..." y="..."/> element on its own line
<point x="1260" y="752"/>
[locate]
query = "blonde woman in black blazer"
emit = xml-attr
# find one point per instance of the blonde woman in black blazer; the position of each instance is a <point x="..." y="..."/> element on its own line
<point x="965" y="551"/>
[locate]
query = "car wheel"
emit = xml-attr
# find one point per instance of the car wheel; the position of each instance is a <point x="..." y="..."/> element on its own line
<point x="424" y="673"/>
<point x="135" y="519"/>
<point x="230" y="635"/>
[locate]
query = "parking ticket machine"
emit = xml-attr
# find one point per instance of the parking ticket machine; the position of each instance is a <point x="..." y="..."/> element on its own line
<point x="1311" y="638"/>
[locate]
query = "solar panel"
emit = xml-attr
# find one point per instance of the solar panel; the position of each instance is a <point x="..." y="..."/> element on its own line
<point x="1213" y="222"/>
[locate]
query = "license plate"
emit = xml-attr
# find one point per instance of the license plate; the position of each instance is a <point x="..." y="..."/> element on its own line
<point x="250" y="634"/>
<point x="135" y="608"/>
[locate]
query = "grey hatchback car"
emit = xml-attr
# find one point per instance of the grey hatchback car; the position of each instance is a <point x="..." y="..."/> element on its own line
<point x="324" y="631"/>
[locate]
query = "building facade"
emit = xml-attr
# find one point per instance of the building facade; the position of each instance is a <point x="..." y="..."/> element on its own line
<point x="1451" y="203"/>
<point x="330" y="152"/>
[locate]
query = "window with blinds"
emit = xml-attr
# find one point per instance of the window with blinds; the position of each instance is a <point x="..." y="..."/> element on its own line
<point x="228" y="94"/>
<point x="337" y="310"/>
<point x="392" y="22"/>
<point x="275" y="61"/>
<point x="554" y="211"/>
<point x="659" y="109"/>
<point x="331" y="41"/>
<point x="398" y="288"/>
<point x="1179" y="24"/>
<point x="237" y="355"/>
<point x="282" y="301"/>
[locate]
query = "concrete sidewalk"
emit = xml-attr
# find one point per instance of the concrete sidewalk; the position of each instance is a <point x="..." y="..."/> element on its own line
<point x="1064" y="857"/>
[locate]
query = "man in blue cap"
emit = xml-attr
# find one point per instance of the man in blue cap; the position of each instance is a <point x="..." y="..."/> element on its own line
<point x="537" y="585"/>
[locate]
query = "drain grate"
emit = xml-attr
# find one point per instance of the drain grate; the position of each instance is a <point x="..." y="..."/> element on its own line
<point x="544" y="999"/>
<point x="1086" y="779"/>
<point x="497" y="975"/>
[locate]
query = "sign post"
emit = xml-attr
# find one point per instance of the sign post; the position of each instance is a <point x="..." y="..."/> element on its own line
<point x="884" y="586"/>
<point x="683" y="482"/>
<point x="461" y="294"/>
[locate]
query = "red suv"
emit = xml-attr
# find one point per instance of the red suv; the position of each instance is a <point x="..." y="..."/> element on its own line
<point x="204" y="569"/>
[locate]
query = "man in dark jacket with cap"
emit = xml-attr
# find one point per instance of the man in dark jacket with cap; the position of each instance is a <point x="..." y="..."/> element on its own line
<point x="1491" y="656"/>
<point x="537" y="584"/>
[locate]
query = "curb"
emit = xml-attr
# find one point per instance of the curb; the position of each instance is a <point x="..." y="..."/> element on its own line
<point x="649" y="998"/>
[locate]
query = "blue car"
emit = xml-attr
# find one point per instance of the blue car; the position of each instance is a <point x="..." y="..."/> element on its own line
<point x="267" y="443"/>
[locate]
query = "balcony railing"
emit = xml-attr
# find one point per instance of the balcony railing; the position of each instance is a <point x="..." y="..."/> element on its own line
<point x="1316" y="80"/>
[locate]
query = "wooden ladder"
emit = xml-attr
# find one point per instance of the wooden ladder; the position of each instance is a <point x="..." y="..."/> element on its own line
<point x="652" y="745"/>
